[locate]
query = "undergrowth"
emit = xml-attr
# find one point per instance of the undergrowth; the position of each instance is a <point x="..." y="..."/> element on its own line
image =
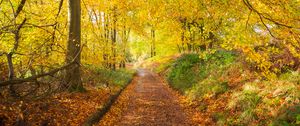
<point x="103" y="78"/>
<point x="197" y="76"/>
<point x="230" y="93"/>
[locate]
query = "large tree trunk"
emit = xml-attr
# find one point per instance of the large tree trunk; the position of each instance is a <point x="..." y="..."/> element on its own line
<point x="72" y="77"/>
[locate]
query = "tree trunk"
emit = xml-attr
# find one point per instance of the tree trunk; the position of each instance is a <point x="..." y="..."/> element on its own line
<point x="72" y="77"/>
<point x="106" y="37"/>
<point x="11" y="75"/>
<point x="114" y="39"/>
<point x="113" y="46"/>
<point x="153" y="48"/>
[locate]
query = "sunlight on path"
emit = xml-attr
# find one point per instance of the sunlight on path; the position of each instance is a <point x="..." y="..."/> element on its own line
<point x="151" y="103"/>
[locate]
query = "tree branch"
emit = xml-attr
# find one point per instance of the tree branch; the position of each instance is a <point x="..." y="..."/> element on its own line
<point x="3" y="53"/>
<point x="250" y="7"/>
<point x="34" y="78"/>
<point x="247" y="22"/>
<point x="59" y="7"/>
<point x="20" y="8"/>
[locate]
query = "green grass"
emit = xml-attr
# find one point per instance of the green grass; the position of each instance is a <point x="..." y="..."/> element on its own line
<point x="182" y="75"/>
<point x="258" y="99"/>
<point x="193" y="74"/>
<point x="118" y="77"/>
<point x="246" y="101"/>
<point x="105" y="77"/>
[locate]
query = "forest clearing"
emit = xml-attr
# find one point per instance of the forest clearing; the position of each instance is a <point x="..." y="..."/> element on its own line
<point x="150" y="62"/>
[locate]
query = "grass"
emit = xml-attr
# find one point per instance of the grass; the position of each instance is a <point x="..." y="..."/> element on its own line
<point x="183" y="76"/>
<point x="197" y="75"/>
<point x="268" y="102"/>
<point x="105" y="78"/>
<point x="231" y="94"/>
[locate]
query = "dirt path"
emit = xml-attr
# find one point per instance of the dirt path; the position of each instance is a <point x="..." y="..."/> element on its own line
<point x="150" y="103"/>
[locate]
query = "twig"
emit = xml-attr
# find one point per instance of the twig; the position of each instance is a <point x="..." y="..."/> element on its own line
<point x="247" y="22"/>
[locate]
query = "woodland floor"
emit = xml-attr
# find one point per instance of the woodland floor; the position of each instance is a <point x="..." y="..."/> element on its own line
<point x="147" y="101"/>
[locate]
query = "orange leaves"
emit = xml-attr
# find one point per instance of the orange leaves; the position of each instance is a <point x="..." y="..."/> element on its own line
<point x="61" y="109"/>
<point x="116" y="110"/>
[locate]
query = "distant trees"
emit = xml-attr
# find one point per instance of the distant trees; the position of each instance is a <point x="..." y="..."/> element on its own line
<point x="109" y="29"/>
<point x="264" y="32"/>
<point x="36" y="42"/>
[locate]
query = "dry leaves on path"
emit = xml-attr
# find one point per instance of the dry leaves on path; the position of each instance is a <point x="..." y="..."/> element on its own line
<point x="147" y="101"/>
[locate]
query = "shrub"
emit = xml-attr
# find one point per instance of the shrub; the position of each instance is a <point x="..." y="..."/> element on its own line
<point x="102" y="77"/>
<point x="246" y="101"/>
<point x="198" y="73"/>
<point x="207" y="88"/>
<point x="119" y="77"/>
<point x="182" y="75"/>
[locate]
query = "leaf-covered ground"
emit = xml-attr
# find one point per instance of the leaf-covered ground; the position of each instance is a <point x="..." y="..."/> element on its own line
<point x="64" y="108"/>
<point x="60" y="109"/>
<point x="147" y="101"/>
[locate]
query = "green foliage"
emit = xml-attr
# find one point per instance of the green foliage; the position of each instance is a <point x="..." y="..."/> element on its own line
<point x="106" y="77"/>
<point x="288" y="116"/>
<point x="275" y="101"/>
<point x="291" y="76"/>
<point x="207" y="88"/>
<point x="119" y="77"/>
<point x="246" y="101"/>
<point x="199" y="73"/>
<point x="183" y="75"/>
<point x="220" y="118"/>
<point x="298" y="119"/>
<point x="258" y="99"/>
<point x="220" y="88"/>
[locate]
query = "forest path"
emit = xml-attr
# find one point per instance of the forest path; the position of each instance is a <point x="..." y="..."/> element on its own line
<point x="150" y="103"/>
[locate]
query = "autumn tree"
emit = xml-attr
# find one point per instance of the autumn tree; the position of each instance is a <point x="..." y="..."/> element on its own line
<point x="72" y="77"/>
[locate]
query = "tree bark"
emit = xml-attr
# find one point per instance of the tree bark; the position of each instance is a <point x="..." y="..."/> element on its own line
<point x="106" y="40"/>
<point x="72" y="75"/>
<point x="114" y="39"/>
<point x="153" y="48"/>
